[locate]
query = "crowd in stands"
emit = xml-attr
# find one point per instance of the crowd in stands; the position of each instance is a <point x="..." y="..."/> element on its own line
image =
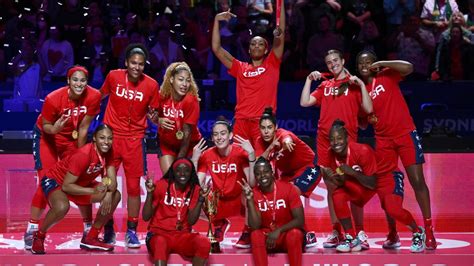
<point x="46" y="37"/>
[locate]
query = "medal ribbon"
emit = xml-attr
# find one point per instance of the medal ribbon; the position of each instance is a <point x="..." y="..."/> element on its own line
<point x="101" y="160"/>
<point x="74" y="118"/>
<point x="274" y="202"/>
<point x="179" y="208"/>
<point x="176" y="109"/>
<point x="347" y="157"/>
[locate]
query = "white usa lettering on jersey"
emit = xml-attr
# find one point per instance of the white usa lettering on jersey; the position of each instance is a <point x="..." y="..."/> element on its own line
<point x="76" y="111"/>
<point x="332" y="91"/>
<point x="376" y="91"/>
<point x="176" y="202"/>
<point x="263" y="205"/>
<point x="257" y="72"/>
<point x="123" y="92"/>
<point x="223" y="168"/>
<point x="171" y="112"/>
<point x="94" y="168"/>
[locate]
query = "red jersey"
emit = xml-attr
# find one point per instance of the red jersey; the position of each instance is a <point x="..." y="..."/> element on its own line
<point x="256" y="86"/>
<point x="225" y="171"/>
<point x="84" y="163"/>
<point x="290" y="164"/>
<point x="168" y="205"/>
<point x="58" y="103"/>
<point x="129" y="103"/>
<point x="184" y="112"/>
<point x="345" y="107"/>
<point x="394" y="119"/>
<point x="360" y="157"/>
<point x="286" y="198"/>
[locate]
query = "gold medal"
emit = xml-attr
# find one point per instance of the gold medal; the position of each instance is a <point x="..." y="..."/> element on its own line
<point x="107" y="181"/>
<point x="436" y="13"/>
<point x="179" y="225"/>
<point x="339" y="171"/>
<point x="373" y="119"/>
<point x="179" y="134"/>
<point x="75" y="134"/>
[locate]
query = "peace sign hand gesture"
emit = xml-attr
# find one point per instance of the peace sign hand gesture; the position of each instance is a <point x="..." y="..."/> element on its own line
<point x="246" y="189"/>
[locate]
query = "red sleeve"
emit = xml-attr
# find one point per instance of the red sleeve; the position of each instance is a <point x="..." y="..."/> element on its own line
<point x="202" y="163"/>
<point x="94" y="106"/>
<point x="294" y="198"/>
<point x="79" y="163"/>
<point x="318" y="94"/>
<point x="273" y="59"/>
<point x="367" y="160"/>
<point x="283" y="134"/>
<point x="235" y="69"/>
<point x="191" y="111"/>
<point x="49" y="111"/>
<point x="392" y="74"/>
<point x="105" y="89"/>
<point x="155" y="97"/>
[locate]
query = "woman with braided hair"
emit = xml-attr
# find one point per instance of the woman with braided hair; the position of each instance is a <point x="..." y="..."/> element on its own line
<point x="172" y="206"/>
<point x="178" y="115"/>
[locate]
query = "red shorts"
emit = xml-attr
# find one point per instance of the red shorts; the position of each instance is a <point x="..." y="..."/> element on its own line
<point x="47" y="152"/>
<point x="354" y="192"/>
<point x="247" y="128"/>
<point x="132" y="153"/>
<point x="80" y="200"/>
<point x="390" y="183"/>
<point x="186" y="244"/>
<point x="172" y="148"/>
<point x="408" y="147"/>
<point x="229" y="208"/>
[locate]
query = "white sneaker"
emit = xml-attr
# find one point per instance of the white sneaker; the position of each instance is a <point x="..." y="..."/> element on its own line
<point x="364" y="243"/>
<point x="349" y="245"/>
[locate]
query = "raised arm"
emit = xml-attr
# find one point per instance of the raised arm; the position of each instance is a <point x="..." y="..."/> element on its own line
<point x="225" y="57"/>
<point x="279" y="34"/>
<point x="404" y="67"/>
<point x="366" y="104"/>
<point x="306" y="99"/>
<point x="148" y="209"/>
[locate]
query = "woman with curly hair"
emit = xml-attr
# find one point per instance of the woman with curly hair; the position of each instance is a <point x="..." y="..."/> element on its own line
<point x="178" y="114"/>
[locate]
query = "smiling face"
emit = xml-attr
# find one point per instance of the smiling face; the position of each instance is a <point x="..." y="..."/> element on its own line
<point x="364" y="61"/>
<point x="221" y="136"/>
<point x="267" y="130"/>
<point x="335" y="63"/>
<point x="135" y="65"/>
<point x="258" y="48"/>
<point x="77" y="82"/>
<point x="182" y="174"/>
<point x="103" y="140"/>
<point x="264" y="175"/>
<point x="181" y="82"/>
<point x="338" y="141"/>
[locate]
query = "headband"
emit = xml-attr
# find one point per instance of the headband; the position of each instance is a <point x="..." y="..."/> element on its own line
<point x="181" y="161"/>
<point x="73" y="69"/>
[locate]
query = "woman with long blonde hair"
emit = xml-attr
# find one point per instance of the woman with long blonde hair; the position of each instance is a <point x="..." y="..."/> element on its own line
<point x="178" y="115"/>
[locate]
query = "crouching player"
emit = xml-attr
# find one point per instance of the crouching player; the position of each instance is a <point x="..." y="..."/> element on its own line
<point x="73" y="179"/>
